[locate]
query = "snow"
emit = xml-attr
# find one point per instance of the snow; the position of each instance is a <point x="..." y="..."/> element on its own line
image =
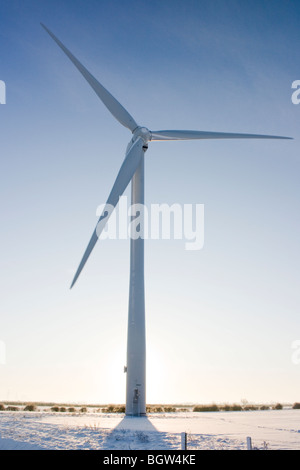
<point x="271" y="429"/>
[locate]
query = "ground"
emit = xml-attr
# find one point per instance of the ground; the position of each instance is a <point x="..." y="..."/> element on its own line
<point x="271" y="429"/>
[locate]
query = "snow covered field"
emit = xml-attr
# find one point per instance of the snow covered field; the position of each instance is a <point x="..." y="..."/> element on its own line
<point x="271" y="429"/>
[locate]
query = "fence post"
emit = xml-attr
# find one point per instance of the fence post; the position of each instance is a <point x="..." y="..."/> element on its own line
<point x="249" y="443"/>
<point x="183" y="441"/>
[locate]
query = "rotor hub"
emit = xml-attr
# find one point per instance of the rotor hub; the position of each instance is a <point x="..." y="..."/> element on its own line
<point x="142" y="132"/>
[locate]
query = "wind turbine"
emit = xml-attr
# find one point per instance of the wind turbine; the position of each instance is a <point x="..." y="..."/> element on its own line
<point x="132" y="169"/>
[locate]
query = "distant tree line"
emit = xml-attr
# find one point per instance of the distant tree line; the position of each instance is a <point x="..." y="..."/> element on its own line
<point x="149" y="408"/>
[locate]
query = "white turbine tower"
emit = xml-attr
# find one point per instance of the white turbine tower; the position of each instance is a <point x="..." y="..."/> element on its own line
<point x="132" y="169"/>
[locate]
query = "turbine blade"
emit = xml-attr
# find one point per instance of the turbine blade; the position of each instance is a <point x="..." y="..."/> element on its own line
<point x="190" y="135"/>
<point x="116" y="109"/>
<point x="127" y="170"/>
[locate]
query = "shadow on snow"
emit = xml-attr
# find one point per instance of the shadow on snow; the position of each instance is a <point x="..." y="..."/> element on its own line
<point x="138" y="433"/>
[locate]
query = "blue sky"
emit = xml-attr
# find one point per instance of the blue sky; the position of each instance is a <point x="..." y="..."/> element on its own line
<point x="220" y="321"/>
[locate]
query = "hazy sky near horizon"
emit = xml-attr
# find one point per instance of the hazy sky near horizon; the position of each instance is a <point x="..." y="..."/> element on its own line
<point x="220" y="321"/>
